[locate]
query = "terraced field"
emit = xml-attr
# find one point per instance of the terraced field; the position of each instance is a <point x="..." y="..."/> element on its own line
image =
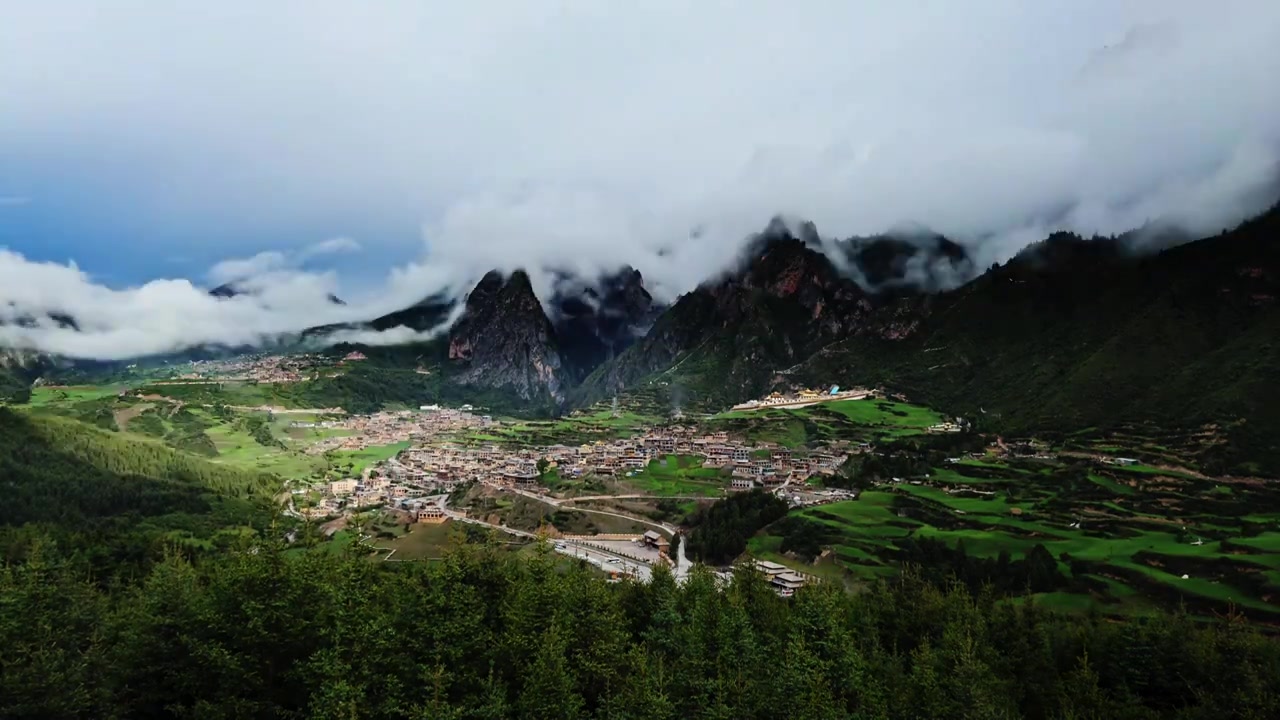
<point x="1124" y="537"/>
<point x="860" y="420"/>
<point x="602" y="422"/>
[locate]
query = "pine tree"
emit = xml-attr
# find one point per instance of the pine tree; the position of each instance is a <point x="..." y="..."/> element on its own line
<point x="548" y="691"/>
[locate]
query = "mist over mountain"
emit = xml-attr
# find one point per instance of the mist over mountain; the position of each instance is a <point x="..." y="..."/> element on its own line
<point x="597" y="319"/>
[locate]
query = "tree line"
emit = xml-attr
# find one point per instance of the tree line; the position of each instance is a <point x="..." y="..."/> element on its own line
<point x="721" y="531"/>
<point x="264" y="632"/>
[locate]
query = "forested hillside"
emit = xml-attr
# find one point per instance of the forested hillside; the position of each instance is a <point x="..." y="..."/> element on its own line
<point x="1074" y="333"/>
<point x="12" y="387"/>
<point x="112" y="501"/>
<point x="273" y="635"/>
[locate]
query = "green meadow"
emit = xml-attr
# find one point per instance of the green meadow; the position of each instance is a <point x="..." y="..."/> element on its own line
<point x="1127" y="538"/>
<point x="677" y="475"/>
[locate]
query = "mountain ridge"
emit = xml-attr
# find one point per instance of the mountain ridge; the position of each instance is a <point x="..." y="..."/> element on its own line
<point x="1070" y="333"/>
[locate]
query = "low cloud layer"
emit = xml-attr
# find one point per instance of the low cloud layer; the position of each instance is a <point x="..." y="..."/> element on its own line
<point x="274" y="261"/>
<point x="572" y="137"/>
<point x="37" y="300"/>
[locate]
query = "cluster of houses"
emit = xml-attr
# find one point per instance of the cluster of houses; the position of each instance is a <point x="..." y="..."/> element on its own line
<point x="390" y="484"/>
<point x="386" y="428"/>
<point x="749" y="466"/>
<point x="781" y="578"/>
<point x="258" y="368"/>
<point x="807" y="396"/>
<point x="443" y="467"/>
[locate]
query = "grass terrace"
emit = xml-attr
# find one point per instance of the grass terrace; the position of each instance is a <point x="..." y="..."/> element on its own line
<point x="1125" y="538"/>
<point x="868" y="420"/>
<point x="678" y="476"/>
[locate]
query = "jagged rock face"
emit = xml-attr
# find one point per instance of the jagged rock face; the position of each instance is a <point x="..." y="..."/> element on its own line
<point x="819" y="304"/>
<point x="504" y="340"/>
<point x="595" y="321"/>
<point x="786" y="301"/>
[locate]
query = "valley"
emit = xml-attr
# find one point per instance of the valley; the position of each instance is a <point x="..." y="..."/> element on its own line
<point x="639" y="361"/>
<point x="1122" y="521"/>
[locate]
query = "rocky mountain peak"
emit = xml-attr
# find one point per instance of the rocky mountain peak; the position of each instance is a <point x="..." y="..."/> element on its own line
<point x="597" y="318"/>
<point x="505" y="341"/>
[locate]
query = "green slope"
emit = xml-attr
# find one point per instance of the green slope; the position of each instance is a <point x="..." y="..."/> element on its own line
<point x="1181" y="339"/>
<point x="116" y="500"/>
<point x="1073" y="333"/>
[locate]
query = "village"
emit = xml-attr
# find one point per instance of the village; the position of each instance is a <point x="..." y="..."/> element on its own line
<point x="443" y="458"/>
<point x="435" y="467"/>
<point x="387" y="428"/>
<point x="265" y="368"/>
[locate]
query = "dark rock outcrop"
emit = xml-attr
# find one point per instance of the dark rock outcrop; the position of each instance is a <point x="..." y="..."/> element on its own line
<point x="785" y="301"/>
<point x="596" y="320"/>
<point x="505" y="341"/>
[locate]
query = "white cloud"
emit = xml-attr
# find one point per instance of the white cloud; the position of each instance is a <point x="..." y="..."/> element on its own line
<point x="245" y="268"/>
<point x="331" y="246"/>
<point x="239" y="270"/>
<point x="582" y="136"/>
<point x="170" y="315"/>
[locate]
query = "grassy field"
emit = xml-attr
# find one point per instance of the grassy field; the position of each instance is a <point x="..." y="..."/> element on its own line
<point x="678" y="475"/>
<point x="235" y="446"/>
<point x="358" y="460"/>
<point x="47" y="396"/>
<point x="424" y="541"/>
<point x="861" y="420"/>
<point x="223" y="436"/>
<point x="1131" y="535"/>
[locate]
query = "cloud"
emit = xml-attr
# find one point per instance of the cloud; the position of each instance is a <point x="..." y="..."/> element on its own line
<point x="331" y="246"/>
<point x="398" y="335"/>
<point x="561" y="135"/>
<point x="165" y="316"/>
<point x="274" y="262"/>
<point x="244" y="268"/>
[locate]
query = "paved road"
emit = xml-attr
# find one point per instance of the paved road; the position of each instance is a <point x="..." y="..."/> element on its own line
<point x="606" y="561"/>
<point x="558" y="502"/>
<point x="600" y="558"/>
<point x="634" y="496"/>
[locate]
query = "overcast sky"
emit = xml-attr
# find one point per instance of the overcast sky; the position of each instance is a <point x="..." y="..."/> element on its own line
<point x="382" y="150"/>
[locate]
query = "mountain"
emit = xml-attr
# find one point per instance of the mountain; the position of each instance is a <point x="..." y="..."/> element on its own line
<point x="431" y="312"/>
<point x="505" y="347"/>
<point x="226" y="290"/>
<point x="597" y="319"/>
<point x="913" y="258"/>
<point x="727" y="338"/>
<point x="424" y="315"/>
<point x="1071" y="333"/>
<point x="505" y="341"/>
<point x="1075" y="333"/>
